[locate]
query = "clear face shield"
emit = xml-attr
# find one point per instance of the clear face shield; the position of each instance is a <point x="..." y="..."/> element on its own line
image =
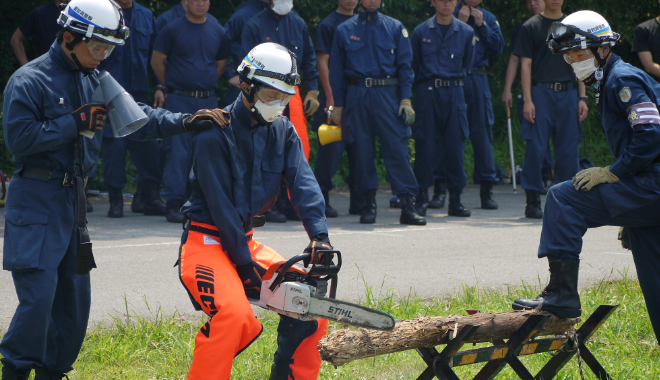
<point x="100" y="50"/>
<point x="271" y="103"/>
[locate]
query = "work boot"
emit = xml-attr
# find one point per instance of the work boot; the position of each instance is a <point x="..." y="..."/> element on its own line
<point x="116" y="203"/>
<point x="137" y="205"/>
<point x="561" y="296"/>
<point x="486" y="194"/>
<point x="173" y="214"/>
<point x="151" y="202"/>
<point x="355" y="206"/>
<point x="395" y="203"/>
<point x="408" y="214"/>
<point x="329" y="211"/>
<point x="533" y="209"/>
<point x="422" y="202"/>
<point x="369" y="207"/>
<point x="88" y="205"/>
<point x="274" y="216"/>
<point x="15" y="374"/>
<point x="455" y="207"/>
<point x="439" y="194"/>
<point x="43" y="374"/>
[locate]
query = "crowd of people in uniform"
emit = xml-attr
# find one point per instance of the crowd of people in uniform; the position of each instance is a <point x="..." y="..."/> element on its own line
<point x="247" y="160"/>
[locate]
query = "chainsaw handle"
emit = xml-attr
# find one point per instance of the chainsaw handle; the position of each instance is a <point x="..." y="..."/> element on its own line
<point x="327" y="269"/>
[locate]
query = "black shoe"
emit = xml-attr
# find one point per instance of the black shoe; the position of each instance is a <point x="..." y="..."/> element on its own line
<point x="150" y="199"/>
<point x="355" y="206"/>
<point x="533" y="209"/>
<point x="137" y="206"/>
<point x="486" y="194"/>
<point x="329" y="211"/>
<point x="116" y="203"/>
<point x="174" y="214"/>
<point x="455" y="207"/>
<point x="561" y="296"/>
<point x="439" y="194"/>
<point x="395" y="203"/>
<point x="369" y="207"/>
<point x="274" y="216"/>
<point x="408" y="214"/>
<point x="42" y="374"/>
<point x="14" y="374"/>
<point x="422" y="202"/>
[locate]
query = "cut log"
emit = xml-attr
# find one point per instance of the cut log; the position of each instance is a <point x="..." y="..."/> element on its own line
<point x="342" y="346"/>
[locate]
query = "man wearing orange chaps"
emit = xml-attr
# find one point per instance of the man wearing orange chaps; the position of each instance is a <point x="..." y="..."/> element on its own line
<point x="235" y="176"/>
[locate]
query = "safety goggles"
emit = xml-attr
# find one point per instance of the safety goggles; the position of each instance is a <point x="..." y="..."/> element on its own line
<point x="100" y="50"/>
<point x="273" y="97"/>
<point x="577" y="56"/>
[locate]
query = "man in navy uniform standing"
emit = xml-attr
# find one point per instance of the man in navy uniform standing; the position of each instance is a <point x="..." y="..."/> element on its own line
<point x="42" y="21"/>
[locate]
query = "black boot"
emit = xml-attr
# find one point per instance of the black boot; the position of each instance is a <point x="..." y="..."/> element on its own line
<point x="152" y="204"/>
<point x="116" y="203"/>
<point x="274" y="216"/>
<point x="486" y="194"/>
<point x="43" y="374"/>
<point x="395" y="203"/>
<point x="408" y="214"/>
<point x="533" y="209"/>
<point x="439" y="194"/>
<point x="455" y="207"/>
<point x="561" y="296"/>
<point x="329" y="211"/>
<point x="87" y="204"/>
<point x="14" y="374"/>
<point x="422" y="202"/>
<point x="174" y="214"/>
<point x="355" y="206"/>
<point x="368" y="215"/>
<point x="137" y="205"/>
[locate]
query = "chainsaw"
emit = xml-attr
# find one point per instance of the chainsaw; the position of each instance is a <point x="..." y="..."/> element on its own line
<point x="300" y="293"/>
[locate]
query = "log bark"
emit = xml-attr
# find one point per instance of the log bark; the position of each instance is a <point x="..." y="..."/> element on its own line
<point x="342" y="346"/>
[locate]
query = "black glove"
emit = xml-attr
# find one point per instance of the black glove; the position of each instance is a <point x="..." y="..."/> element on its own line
<point x="251" y="274"/>
<point x="90" y="117"/>
<point x="623" y="236"/>
<point x="204" y="119"/>
<point x="320" y="242"/>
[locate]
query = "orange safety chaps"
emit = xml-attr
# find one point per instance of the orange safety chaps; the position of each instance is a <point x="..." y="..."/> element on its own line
<point x="212" y="282"/>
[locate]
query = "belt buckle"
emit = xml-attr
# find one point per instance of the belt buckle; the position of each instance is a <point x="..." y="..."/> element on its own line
<point x="437" y="83"/>
<point x="369" y="82"/>
<point x="65" y="181"/>
<point x="197" y="94"/>
<point x="557" y="86"/>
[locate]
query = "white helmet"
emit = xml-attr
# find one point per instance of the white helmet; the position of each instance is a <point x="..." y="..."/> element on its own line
<point x="579" y="31"/>
<point x="272" y="65"/>
<point x="99" y="19"/>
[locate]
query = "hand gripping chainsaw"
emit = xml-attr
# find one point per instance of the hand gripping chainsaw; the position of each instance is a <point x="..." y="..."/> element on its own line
<point x="300" y="293"/>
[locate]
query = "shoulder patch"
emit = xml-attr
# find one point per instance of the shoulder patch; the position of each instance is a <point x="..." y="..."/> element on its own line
<point x="404" y="31"/>
<point x="625" y="94"/>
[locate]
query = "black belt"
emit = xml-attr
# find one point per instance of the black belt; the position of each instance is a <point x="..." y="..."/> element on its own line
<point x="374" y="82"/>
<point x="558" y="86"/>
<point x="478" y="71"/>
<point x="46" y="175"/>
<point x="446" y="83"/>
<point x="193" y="94"/>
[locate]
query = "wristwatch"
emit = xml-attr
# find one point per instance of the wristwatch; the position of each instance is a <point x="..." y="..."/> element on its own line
<point x="586" y="99"/>
<point x="162" y="88"/>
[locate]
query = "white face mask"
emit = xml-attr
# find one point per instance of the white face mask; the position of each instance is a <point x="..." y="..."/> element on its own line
<point x="269" y="113"/>
<point x="584" y="69"/>
<point x="282" y="7"/>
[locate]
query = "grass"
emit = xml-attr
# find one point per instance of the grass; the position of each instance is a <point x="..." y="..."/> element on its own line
<point x="160" y="346"/>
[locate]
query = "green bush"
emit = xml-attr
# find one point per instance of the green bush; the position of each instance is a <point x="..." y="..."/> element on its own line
<point x="622" y="17"/>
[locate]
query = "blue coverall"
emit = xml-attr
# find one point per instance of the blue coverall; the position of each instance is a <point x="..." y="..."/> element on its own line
<point x="374" y="46"/>
<point x="130" y="66"/>
<point x="633" y="202"/>
<point x="40" y="246"/>
<point x="441" y="125"/>
<point x="488" y="42"/>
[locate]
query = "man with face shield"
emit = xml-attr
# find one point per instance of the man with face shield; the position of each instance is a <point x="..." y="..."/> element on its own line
<point x="48" y="107"/>
<point x="627" y="193"/>
<point x="235" y="177"/>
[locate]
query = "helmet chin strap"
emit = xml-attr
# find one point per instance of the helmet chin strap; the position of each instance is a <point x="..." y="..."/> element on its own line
<point x="595" y="78"/>
<point x="84" y="70"/>
<point x="249" y="96"/>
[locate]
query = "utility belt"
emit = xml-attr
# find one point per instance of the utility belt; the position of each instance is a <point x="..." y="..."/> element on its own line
<point x="257" y="221"/>
<point x="437" y="83"/>
<point x="46" y="175"/>
<point x="557" y="86"/>
<point x="199" y="94"/>
<point x="373" y="82"/>
<point x="478" y="71"/>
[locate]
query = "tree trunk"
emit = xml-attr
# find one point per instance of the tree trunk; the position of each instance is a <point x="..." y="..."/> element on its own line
<point x="342" y="346"/>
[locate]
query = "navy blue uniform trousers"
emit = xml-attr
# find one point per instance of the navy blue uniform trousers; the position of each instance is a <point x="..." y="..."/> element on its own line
<point x="557" y="117"/>
<point x="634" y="203"/>
<point x="178" y="149"/>
<point x="440" y="130"/>
<point x="480" y="120"/>
<point x="372" y="111"/>
<point x="54" y="302"/>
<point x="145" y="156"/>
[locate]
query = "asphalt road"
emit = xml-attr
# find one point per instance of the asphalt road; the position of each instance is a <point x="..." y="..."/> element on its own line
<point x="136" y="254"/>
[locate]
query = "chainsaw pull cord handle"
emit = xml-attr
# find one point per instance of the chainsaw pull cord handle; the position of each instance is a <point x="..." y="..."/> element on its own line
<point x="327" y="268"/>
